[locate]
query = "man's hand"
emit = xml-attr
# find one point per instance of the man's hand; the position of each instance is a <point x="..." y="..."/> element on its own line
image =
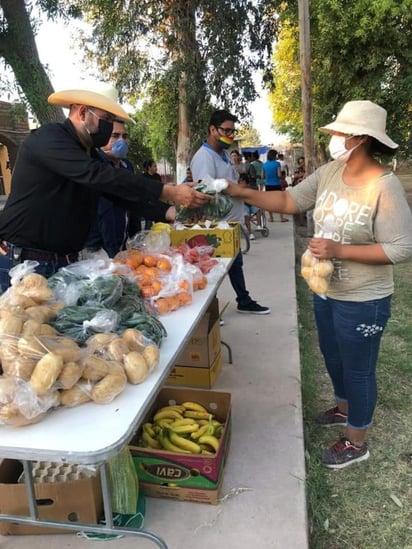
<point x="184" y="195"/>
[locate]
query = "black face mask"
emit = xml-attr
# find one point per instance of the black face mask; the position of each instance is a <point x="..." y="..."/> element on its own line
<point x="103" y="134"/>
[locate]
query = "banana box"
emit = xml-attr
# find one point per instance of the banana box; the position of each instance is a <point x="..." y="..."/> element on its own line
<point x="225" y="241"/>
<point x="184" y="476"/>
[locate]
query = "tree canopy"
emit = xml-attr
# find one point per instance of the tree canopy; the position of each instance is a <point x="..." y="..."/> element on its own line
<point x="186" y="55"/>
<point x="361" y="49"/>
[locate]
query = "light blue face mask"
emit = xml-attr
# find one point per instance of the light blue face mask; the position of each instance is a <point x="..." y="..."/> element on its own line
<point x="120" y="149"/>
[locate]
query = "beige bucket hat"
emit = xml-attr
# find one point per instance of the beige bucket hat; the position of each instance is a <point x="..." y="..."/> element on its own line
<point x="100" y="95"/>
<point x="361" y="118"/>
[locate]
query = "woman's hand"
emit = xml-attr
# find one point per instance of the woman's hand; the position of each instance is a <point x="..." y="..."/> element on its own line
<point x="324" y="248"/>
<point x="234" y="189"/>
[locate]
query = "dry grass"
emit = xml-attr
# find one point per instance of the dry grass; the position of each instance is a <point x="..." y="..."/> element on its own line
<point x="366" y="506"/>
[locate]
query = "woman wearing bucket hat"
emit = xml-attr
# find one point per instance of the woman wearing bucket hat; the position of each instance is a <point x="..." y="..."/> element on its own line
<point x="364" y="225"/>
<point x="59" y="177"/>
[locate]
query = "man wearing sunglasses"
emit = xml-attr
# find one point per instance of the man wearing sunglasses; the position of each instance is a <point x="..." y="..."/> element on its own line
<point x="213" y="159"/>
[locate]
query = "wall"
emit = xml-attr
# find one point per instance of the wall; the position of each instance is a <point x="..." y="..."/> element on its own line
<point x="14" y="128"/>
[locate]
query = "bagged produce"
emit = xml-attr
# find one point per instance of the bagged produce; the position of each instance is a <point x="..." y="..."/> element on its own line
<point x="217" y="208"/>
<point x="21" y="405"/>
<point x="316" y="272"/>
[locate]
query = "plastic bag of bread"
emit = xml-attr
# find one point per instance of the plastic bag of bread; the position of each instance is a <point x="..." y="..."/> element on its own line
<point x="46" y="362"/>
<point x="138" y="355"/>
<point x="316" y="272"/>
<point x="20" y="405"/>
<point x="29" y="298"/>
<point x="103" y="381"/>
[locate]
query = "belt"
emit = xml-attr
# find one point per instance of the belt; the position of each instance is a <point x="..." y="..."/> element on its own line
<point x="20" y="254"/>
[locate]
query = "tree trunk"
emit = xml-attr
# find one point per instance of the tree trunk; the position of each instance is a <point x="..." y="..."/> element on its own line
<point x="188" y="60"/>
<point x="183" y="136"/>
<point x="18" y="47"/>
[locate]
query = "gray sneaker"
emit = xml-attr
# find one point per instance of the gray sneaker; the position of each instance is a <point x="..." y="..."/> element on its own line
<point x="344" y="453"/>
<point x="332" y="417"/>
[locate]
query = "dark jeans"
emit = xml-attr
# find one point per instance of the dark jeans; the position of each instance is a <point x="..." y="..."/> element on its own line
<point x="237" y="279"/>
<point x="45" y="268"/>
<point x="349" y="335"/>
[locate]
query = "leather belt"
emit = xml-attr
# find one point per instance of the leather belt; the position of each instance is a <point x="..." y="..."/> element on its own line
<point x="21" y="254"/>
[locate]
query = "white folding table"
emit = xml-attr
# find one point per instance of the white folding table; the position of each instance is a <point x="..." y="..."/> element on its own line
<point x="91" y="434"/>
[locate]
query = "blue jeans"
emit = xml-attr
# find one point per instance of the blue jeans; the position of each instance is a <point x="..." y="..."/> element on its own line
<point x="349" y="335"/>
<point x="237" y="279"/>
<point x="45" y="268"/>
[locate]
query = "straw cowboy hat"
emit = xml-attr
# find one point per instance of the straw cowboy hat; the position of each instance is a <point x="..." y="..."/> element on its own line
<point x="361" y="118"/>
<point x="102" y="96"/>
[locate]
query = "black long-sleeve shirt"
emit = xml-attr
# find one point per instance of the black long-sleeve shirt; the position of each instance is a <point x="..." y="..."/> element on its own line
<point x="55" y="190"/>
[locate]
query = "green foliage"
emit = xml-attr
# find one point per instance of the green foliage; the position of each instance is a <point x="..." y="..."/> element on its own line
<point x="285" y="97"/>
<point x="360" y="49"/>
<point x="18" y="49"/>
<point x="139" y="149"/>
<point x="249" y="136"/>
<point x="150" y="47"/>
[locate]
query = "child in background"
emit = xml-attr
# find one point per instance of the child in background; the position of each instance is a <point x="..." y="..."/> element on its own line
<point x="283" y="181"/>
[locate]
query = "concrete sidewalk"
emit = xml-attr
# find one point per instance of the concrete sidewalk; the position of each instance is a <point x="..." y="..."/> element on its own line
<point x="263" y="497"/>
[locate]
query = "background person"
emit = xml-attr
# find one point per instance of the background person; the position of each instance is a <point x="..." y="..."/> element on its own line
<point x="298" y="176"/>
<point x="249" y="209"/>
<point x="272" y="171"/>
<point x="110" y="227"/>
<point x="135" y="221"/>
<point x="59" y="177"/>
<point x="258" y="167"/>
<point x="213" y="159"/>
<point x="365" y="226"/>
<point x="189" y="176"/>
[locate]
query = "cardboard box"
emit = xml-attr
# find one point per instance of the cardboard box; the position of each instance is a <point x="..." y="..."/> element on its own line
<point x="71" y="501"/>
<point x="204" y="343"/>
<point x="225" y="241"/>
<point x="193" y="376"/>
<point x="180" y="493"/>
<point x="186" y="477"/>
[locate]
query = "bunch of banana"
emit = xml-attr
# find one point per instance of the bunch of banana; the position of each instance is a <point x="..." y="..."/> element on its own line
<point x="186" y="428"/>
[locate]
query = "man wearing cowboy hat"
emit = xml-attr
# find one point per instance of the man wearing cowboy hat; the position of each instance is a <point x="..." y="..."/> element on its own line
<point x="58" y="179"/>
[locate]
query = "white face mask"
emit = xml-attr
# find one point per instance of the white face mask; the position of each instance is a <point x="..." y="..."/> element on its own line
<point x="337" y="148"/>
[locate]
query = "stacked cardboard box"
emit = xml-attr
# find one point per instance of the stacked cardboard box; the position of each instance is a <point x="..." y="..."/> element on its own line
<point x="184" y="477"/>
<point x="200" y="363"/>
